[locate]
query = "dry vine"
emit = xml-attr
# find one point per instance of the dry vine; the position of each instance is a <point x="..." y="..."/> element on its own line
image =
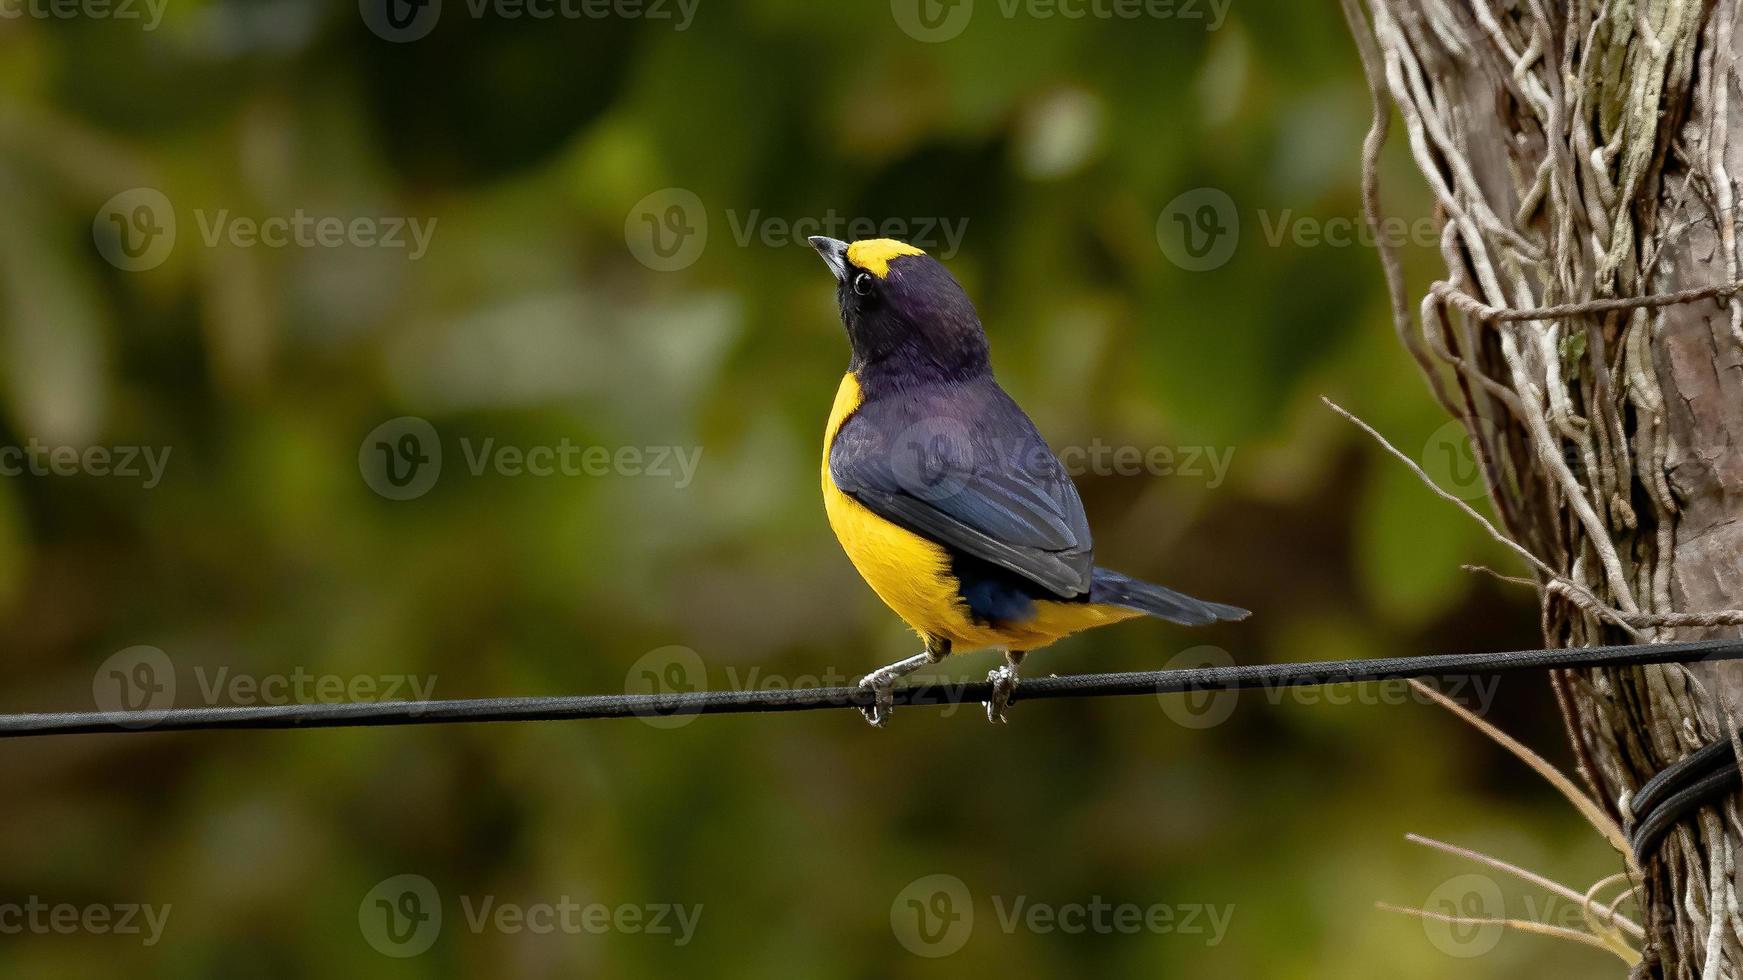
<point x="1590" y="337"/>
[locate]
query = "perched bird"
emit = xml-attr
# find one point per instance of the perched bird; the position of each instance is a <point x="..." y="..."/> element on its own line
<point x="945" y="497"/>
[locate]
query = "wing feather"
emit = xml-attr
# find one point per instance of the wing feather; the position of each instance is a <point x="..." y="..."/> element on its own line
<point x="963" y="466"/>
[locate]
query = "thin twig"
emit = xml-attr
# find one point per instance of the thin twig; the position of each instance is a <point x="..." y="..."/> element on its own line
<point x="1575" y="592"/>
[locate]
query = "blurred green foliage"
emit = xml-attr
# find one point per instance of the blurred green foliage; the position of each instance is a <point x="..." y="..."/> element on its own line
<point x="1055" y="145"/>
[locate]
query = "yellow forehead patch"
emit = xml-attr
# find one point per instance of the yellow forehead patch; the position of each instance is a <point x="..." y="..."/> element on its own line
<point x="874" y="254"/>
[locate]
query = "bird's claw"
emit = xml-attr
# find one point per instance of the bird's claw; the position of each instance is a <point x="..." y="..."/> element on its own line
<point x="883" y="701"/>
<point x="1004" y="680"/>
<point x="882" y="682"/>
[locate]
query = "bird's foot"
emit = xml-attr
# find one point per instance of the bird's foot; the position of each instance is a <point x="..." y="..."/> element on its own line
<point x="882" y="682"/>
<point x="1004" y="678"/>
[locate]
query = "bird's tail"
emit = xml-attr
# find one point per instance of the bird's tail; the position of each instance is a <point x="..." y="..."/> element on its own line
<point x="1114" y="589"/>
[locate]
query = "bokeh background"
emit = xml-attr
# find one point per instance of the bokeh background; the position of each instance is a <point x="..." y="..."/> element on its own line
<point x="544" y="156"/>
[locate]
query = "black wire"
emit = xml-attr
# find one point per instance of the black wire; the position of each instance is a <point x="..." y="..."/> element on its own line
<point x="1680" y="789"/>
<point x="1648" y="832"/>
<point x="1681" y="774"/>
<point x="575" y="708"/>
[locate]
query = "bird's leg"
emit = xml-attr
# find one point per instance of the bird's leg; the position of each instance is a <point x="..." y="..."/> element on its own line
<point x="1004" y="678"/>
<point x="881" y="681"/>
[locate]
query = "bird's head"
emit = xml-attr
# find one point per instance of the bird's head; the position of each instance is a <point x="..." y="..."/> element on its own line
<point x="905" y="314"/>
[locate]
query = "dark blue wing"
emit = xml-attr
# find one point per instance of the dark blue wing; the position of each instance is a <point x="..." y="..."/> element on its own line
<point x="962" y="465"/>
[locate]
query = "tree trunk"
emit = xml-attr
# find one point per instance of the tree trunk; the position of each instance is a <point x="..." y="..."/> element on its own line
<point x="1578" y="151"/>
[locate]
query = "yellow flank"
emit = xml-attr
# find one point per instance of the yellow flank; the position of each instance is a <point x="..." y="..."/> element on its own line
<point x="911" y="574"/>
<point x="874" y="254"/>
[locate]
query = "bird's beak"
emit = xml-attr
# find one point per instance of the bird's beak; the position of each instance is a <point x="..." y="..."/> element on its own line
<point x="834" y="252"/>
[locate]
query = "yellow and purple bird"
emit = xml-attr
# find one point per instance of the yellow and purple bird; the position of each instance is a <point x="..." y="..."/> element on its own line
<point x="943" y="493"/>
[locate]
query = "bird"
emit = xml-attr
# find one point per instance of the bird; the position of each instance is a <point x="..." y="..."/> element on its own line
<point x="944" y="494"/>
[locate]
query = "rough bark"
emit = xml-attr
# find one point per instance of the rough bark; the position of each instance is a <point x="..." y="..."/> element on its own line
<point x="1581" y="151"/>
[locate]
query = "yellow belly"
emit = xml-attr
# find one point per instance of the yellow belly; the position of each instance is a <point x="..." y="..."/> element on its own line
<point x="911" y="574"/>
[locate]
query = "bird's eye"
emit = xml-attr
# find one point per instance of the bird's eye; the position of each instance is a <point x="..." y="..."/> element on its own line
<point x="862" y="284"/>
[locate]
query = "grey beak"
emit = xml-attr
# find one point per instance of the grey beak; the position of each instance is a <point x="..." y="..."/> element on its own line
<point x="834" y="252"/>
